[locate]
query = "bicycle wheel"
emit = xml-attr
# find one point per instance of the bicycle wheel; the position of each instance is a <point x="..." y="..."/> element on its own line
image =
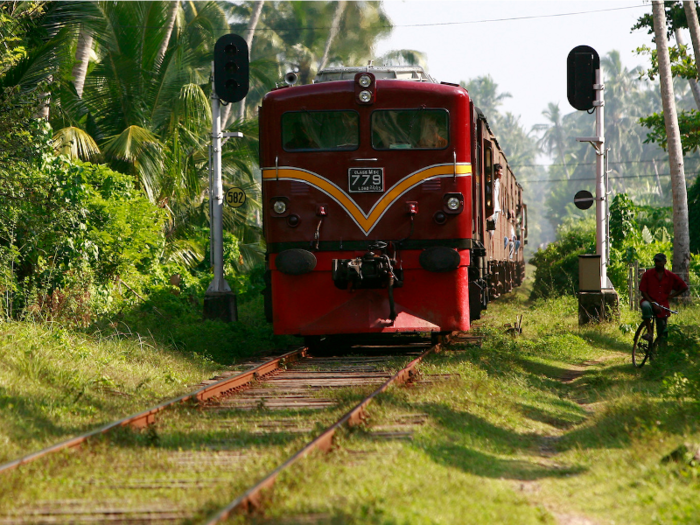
<point x="641" y="348"/>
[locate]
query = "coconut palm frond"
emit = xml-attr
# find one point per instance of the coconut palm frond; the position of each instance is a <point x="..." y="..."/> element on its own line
<point x="252" y="254"/>
<point x="139" y="152"/>
<point x="404" y="57"/>
<point x="185" y="251"/>
<point x="76" y="143"/>
<point x="193" y="108"/>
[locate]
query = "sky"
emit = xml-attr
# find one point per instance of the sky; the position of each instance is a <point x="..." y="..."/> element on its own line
<point x="464" y="39"/>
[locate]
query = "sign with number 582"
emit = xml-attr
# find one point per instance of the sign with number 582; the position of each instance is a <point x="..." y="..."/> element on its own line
<point x="235" y="197"/>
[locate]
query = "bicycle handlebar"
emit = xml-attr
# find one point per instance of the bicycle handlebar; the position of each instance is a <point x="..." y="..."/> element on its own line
<point x="664" y="308"/>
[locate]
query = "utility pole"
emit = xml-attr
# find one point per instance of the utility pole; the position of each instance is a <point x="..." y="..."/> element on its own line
<point x="230" y="84"/>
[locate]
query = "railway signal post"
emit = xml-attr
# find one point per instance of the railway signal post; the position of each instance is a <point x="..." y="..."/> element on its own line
<point x="230" y="84"/>
<point x="585" y="90"/>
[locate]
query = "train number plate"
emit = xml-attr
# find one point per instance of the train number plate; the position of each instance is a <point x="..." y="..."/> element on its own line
<point x="366" y="180"/>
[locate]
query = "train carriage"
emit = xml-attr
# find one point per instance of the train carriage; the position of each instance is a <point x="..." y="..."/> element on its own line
<point x="378" y="206"/>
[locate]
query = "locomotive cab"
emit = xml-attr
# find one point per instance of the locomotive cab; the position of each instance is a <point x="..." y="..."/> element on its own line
<point x="369" y="206"/>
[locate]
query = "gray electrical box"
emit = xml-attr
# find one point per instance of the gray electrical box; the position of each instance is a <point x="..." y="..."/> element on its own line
<point x="589" y="273"/>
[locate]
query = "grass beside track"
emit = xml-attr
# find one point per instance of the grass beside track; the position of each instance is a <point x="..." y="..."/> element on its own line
<point x="553" y="427"/>
<point x="57" y="383"/>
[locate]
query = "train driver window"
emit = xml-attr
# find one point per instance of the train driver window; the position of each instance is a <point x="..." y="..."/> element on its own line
<point x="410" y="129"/>
<point x="320" y="130"/>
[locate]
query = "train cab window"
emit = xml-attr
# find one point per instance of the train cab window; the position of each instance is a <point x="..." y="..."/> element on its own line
<point x="410" y="129"/>
<point x="320" y="131"/>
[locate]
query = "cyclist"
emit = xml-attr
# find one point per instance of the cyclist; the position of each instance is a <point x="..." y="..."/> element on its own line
<point x="658" y="285"/>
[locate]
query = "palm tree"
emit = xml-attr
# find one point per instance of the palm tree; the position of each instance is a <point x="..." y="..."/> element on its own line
<point x="332" y="32"/>
<point x="301" y="31"/>
<point x="681" y="244"/>
<point x="694" y="27"/>
<point x="693" y="82"/>
<point x="555" y="138"/>
<point x="82" y="60"/>
<point x="484" y="93"/>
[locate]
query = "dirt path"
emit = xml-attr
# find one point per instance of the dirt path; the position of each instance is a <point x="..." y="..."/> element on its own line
<point x="548" y="451"/>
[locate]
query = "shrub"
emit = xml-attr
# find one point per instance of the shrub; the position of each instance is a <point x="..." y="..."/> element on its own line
<point x="557" y="265"/>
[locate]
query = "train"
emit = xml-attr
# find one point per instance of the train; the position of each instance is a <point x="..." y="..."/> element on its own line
<point x="388" y="206"/>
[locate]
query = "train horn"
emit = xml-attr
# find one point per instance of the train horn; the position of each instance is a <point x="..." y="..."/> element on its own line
<point x="291" y="78"/>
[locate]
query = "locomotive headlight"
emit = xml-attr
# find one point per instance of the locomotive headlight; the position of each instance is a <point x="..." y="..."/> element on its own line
<point x="280" y="207"/>
<point x="365" y="81"/>
<point x="365" y="96"/>
<point x="453" y="203"/>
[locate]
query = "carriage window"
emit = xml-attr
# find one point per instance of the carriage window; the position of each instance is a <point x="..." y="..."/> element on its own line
<point x="410" y="129"/>
<point x="320" y="130"/>
<point x="488" y="180"/>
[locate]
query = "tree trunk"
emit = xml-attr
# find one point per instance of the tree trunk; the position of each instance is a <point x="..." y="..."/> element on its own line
<point x="658" y="179"/>
<point x="164" y="44"/>
<point x="694" y="88"/>
<point x="335" y="25"/>
<point x="694" y="27"/>
<point x="82" y="60"/>
<point x="681" y="243"/>
<point x="249" y="34"/>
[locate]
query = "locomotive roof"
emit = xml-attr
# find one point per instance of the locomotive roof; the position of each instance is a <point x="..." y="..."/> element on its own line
<point x="410" y="73"/>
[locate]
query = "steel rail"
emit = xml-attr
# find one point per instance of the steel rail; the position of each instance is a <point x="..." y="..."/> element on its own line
<point x="145" y="418"/>
<point x="252" y="498"/>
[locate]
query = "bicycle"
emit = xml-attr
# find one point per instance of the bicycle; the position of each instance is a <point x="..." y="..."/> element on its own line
<point x="644" y="349"/>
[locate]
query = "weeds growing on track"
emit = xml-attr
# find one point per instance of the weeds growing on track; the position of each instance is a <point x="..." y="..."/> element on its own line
<point x="554" y="426"/>
<point x="56" y="383"/>
<point x="194" y="461"/>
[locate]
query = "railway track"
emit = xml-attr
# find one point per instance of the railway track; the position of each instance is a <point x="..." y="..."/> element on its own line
<point x="253" y="421"/>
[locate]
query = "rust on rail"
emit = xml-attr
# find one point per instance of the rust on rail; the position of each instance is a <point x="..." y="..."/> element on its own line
<point x="147" y="417"/>
<point x="252" y="498"/>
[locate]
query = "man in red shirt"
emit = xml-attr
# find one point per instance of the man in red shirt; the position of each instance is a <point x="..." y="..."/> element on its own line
<point x="658" y="285"/>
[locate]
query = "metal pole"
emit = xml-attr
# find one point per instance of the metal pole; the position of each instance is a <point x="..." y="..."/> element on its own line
<point x="211" y="209"/>
<point x="216" y="196"/>
<point x="601" y="190"/>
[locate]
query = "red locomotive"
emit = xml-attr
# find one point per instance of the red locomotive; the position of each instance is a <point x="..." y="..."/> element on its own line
<point x="382" y="210"/>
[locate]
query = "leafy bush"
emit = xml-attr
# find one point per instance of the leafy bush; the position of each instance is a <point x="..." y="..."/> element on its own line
<point x="694" y="215"/>
<point x="557" y="265"/>
<point x="68" y="230"/>
<point x="636" y="234"/>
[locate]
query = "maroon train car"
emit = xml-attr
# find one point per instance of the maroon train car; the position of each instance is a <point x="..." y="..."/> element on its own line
<point x="377" y="186"/>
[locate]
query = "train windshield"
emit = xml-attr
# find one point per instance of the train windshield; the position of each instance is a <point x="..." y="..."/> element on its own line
<point x="320" y="130"/>
<point x="410" y="129"/>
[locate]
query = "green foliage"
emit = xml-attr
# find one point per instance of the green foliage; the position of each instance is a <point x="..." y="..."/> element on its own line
<point x="174" y="317"/>
<point x="688" y="123"/>
<point x="557" y="265"/>
<point x="637" y="233"/>
<point x="621" y="218"/>
<point x="682" y="62"/>
<point x="68" y="227"/>
<point x="694" y="215"/>
<point x="675" y="19"/>
<point x="17" y="19"/>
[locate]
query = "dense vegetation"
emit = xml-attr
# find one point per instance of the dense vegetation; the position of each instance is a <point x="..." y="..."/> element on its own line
<point x="103" y="159"/>
<point x="104" y="208"/>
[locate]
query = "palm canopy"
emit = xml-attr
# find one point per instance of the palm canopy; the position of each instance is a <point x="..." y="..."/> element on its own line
<point x="141" y="103"/>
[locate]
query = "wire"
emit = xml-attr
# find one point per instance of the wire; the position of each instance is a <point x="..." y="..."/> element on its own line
<point x="585" y="163"/>
<point x="594" y="178"/>
<point x="427" y="24"/>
